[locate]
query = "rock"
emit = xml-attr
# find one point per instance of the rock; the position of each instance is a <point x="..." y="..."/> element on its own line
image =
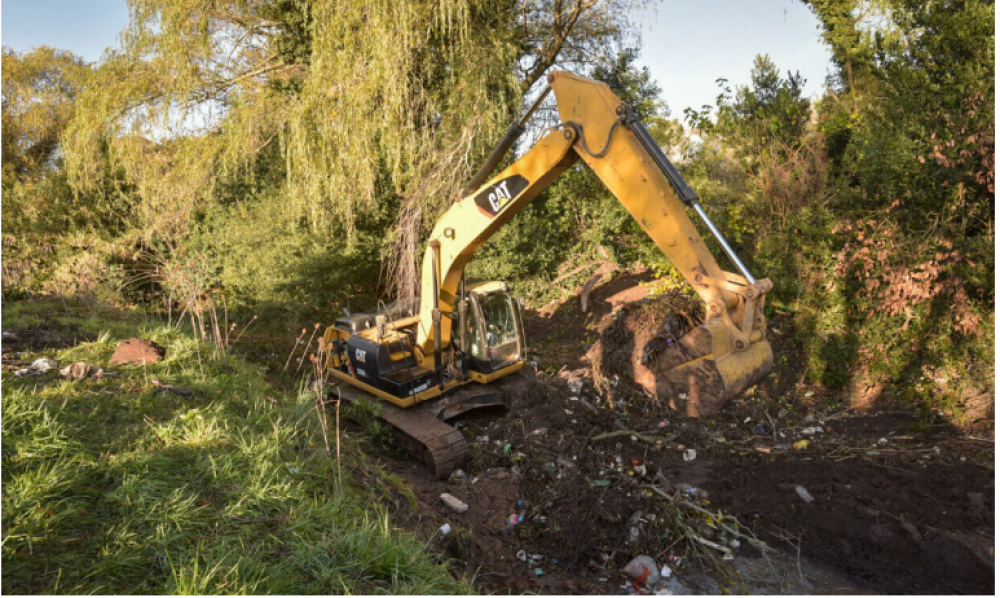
<point x="76" y="371"/>
<point x="454" y="503"/>
<point x="137" y="351"/>
<point x="642" y="570"/>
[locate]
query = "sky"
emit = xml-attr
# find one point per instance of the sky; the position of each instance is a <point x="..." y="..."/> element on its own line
<point x="687" y="44"/>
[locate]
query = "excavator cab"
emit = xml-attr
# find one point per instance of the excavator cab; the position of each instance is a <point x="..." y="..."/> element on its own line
<point x="494" y="333"/>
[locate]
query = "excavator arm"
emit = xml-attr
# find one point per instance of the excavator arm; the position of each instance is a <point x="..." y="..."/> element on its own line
<point x="715" y="362"/>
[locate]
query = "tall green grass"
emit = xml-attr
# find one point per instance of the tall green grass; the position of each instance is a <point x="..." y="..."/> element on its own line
<point x="110" y="486"/>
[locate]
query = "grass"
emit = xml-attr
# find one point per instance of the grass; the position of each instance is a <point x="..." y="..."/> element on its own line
<point x="110" y="486"/>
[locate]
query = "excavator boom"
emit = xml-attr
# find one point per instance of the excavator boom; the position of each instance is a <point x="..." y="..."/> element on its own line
<point x="717" y="361"/>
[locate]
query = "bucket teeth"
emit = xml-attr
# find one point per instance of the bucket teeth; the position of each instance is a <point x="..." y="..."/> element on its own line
<point x="692" y="377"/>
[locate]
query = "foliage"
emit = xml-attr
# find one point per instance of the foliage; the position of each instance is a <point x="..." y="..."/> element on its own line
<point x="876" y="222"/>
<point x="112" y="487"/>
<point x="576" y="220"/>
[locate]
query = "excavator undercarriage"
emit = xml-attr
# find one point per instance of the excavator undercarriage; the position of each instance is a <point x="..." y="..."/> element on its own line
<point x="434" y="359"/>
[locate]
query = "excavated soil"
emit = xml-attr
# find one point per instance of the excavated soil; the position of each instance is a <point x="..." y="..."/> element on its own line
<point x="900" y="504"/>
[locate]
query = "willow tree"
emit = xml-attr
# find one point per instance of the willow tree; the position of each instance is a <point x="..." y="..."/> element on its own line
<point x="363" y="100"/>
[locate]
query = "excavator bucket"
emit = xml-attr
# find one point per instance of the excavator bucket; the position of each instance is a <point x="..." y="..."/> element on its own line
<point x="700" y="373"/>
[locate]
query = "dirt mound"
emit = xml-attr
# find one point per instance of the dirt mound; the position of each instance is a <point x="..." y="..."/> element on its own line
<point x="137" y="351"/>
<point x="643" y="342"/>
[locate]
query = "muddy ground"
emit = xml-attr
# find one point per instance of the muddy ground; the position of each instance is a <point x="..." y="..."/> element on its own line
<point x="900" y="503"/>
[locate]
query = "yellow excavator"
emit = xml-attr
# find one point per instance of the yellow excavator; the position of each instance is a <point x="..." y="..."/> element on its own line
<point x="433" y="361"/>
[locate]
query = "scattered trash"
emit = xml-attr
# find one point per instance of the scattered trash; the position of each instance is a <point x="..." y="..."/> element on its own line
<point x="683" y="396"/>
<point x="642" y="570"/>
<point x="76" y="371"/>
<point x="9" y="336"/>
<point x="666" y="572"/>
<point x="37" y="367"/>
<point x="883" y="441"/>
<point x="804" y="494"/>
<point x="802" y="444"/>
<point x="574" y="398"/>
<point x="482" y="438"/>
<point x="180" y="390"/>
<point x="522" y="556"/>
<point x="812" y="430"/>
<point x="633" y="535"/>
<point x="575" y="386"/>
<point x="564" y="462"/>
<point x="748" y="420"/>
<point x="600" y="483"/>
<point x="763" y="449"/>
<point x="459" y="475"/>
<point x="445" y="529"/>
<point x="663" y="424"/>
<point x="809" y="393"/>
<point x="538" y="572"/>
<point x="506" y="449"/>
<point x="454" y="503"/>
<point x="690" y="455"/>
<point x="734" y="544"/>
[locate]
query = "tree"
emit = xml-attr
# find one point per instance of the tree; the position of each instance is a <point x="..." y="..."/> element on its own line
<point x="39" y="90"/>
<point x="369" y="103"/>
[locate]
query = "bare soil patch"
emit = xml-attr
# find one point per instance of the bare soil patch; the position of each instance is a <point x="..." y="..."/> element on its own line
<point x="901" y="505"/>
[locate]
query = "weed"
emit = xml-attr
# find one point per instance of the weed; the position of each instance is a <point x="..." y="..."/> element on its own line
<point x="111" y="486"/>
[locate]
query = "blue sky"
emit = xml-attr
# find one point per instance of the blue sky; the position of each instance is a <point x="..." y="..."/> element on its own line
<point x="687" y="44"/>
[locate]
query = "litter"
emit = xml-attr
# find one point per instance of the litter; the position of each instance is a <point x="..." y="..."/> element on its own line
<point x="445" y="529"/>
<point x="800" y="445"/>
<point x="690" y="455"/>
<point x="179" y="390"/>
<point x="812" y="430"/>
<point x="600" y="483"/>
<point x="804" y="494"/>
<point x="642" y="570"/>
<point x="37" y="367"/>
<point x="454" y="503"/>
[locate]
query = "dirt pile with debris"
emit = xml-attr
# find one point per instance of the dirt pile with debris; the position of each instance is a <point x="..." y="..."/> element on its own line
<point x="634" y="342"/>
<point x="769" y="496"/>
